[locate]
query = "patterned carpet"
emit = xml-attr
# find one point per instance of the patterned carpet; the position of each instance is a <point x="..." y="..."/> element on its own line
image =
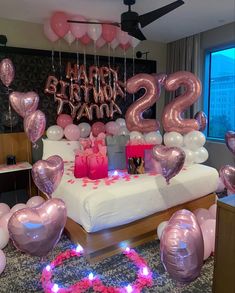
<point x="23" y="272"/>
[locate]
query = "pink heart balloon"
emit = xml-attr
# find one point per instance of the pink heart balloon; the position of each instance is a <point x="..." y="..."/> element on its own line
<point x="230" y="141"/>
<point x="7" y="71"/>
<point x="181" y="247"/>
<point x="34" y="125"/>
<point x="24" y="103"/>
<point x="37" y="230"/>
<point x="201" y="119"/>
<point x="227" y="174"/>
<point x="171" y="160"/>
<point x="47" y="174"/>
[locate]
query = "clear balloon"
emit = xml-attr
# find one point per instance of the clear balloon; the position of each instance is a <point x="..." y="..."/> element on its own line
<point x="55" y="132"/>
<point x="134" y="42"/>
<point x="64" y="120"/>
<point x="112" y="128"/>
<point x="230" y="140"/>
<point x="172" y="118"/>
<point x="72" y="132"/>
<point x="100" y="43"/>
<point x="109" y="32"/>
<point x="200" y="155"/>
<point x="59" y="23"/>
<point x="85" y="129"/>
<point x="227" y="175"/>
<point x="78" y="29"/>
<point x="181" y="247"/>
<point x="24" y="103"/>
<point x="7" y="72"/>
<point x="161" y="228"/>
<point x="17" y="207"/>
<point x="208" y="228"/>
<point x="94" y="31"/>
<point x="37" y="230"/>
<point x="97" y="128"/>
<point x="202" y="215"/>
<point x="201" y="119"/>
<point x="34" y="125"/>
<point x="4" y="209"/>
<point x="48" y="32"/>
<point x="207" y="246"/>
<point x="194" y="140"/>
<point x="3" y="261"/>
<point x="122" y="37"/>
<point x="4" y="237"/>
<point x="173" y="139"/>
<point x="220" y="186"/>
<point x="153" y="138"/>
<point x="171" y="160"/>
<point x="69" y="38"/>
<point x="114" y="44"/>
<point x="213" y="210"/>
<point x="47" y="174"/>
<point x="123" y="131"/>
<point x="121" y="122"/>
<point x="35" y="201"/>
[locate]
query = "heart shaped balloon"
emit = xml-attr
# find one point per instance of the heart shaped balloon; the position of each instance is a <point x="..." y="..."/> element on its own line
<point x="37" y="230"/>
<point x="24" y="103"/>
<point x="230" y="141"/>
<point x="201" y="119"/>
<point x="7" y="72"/>
<point x="34" y="125"/>
<point x="227" y="174"/>
<point x="47" y="174"/>
<point x="182" y="247"/>
<point x="171" y="160"/>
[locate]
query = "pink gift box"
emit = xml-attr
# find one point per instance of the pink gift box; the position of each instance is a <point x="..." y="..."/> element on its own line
<point x="80" y="166"/>
<point x="97" y="166"/>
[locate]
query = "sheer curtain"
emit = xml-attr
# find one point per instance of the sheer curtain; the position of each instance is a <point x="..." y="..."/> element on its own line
<point x="184" y="54"/>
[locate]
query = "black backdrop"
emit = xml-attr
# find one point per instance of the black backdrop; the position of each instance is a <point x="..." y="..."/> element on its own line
<point x="32" y="68"/>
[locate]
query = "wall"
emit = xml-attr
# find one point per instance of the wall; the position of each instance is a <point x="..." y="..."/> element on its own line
<point x="219" y="154"/>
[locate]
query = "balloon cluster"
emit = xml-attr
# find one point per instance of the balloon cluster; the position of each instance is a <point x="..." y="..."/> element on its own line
<point x="59" y="27"/>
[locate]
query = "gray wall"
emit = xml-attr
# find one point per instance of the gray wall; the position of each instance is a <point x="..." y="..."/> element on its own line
<point x="219" y="155"/>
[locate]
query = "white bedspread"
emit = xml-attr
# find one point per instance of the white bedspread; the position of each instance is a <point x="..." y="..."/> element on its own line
<point x="121" y="199"/>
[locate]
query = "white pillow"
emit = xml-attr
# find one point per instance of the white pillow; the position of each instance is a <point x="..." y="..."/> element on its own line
<point x="64" y="148"/>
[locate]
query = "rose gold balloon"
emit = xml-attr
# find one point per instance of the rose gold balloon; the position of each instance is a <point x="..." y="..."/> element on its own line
<point x="201" y="119"/>
<point x="7" y="72"/>
<point x="227" y="175"/>
<point x="47" y="174"/>
<point x="51" y="85"/>
<point x="181" y="247"/>
<point x="84" y="111"/>
<point x="24" y="103"/>
<point x="37" y="230"/>
<point x="94" y="109"/>
<point x="34" y="125"/>
<point x="104" y="111"/>
<point x="114" y="109"/>
<point x="230" y="141"/>
<point x="172" y="118"/>
<point x="171" y="160"/>
<point x="134" y="114"/>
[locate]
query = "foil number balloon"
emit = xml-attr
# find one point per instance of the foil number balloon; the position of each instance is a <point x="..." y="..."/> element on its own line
<point x="172" y="119"/>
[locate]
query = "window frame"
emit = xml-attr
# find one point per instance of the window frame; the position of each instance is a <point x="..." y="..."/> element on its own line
<point x="207" y="79"/>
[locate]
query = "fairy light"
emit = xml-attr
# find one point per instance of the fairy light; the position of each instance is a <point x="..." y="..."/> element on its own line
<point x="79" y="248"/>
<point x="48" y="268"/>
<point x="127" y="249"/>
<point x="145" y="271"/>
<point x="55" y="288"/>
<point x="91" y="276"/>
<point x="129" y="289"/>
<point x="115" y="173"/>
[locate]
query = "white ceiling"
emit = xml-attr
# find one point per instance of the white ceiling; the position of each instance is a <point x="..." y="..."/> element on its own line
<point x="193" y="17"/>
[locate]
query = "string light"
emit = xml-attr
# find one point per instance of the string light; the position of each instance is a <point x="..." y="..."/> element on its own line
<point x="127" y="249"/>
<point x="145" y="271"/>
<point x="79" y="248"/>
<point x="55" y="288"/>
<point x="129" y="289"/>
<point x="90" y="276"/>
<point x="48" y="268"/>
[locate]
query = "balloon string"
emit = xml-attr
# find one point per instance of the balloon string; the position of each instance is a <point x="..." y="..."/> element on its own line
<point x="60" y="65"/>
<point x="133" y="67"/>
<point x="9" y="110"/>
<point x="84" y="56"/>
<point x="77" y="54"/>
<point x="109" y="64"/>
<point x="113" y="58"/>
<point x="30" y="183"/>
<point x="52" y="60"/>
<point x="125" y="71"/>
<point x="95" y="61"/>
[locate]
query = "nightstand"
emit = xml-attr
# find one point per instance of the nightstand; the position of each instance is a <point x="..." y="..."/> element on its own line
<point x="15" y="180"/>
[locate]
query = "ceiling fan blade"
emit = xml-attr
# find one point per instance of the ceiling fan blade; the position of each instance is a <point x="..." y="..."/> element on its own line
<point x="151" y="16"/>
<point x="137" y="33"/>
<point x="94" y="22"/>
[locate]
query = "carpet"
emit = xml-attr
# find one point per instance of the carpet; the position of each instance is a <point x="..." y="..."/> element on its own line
<point x="22" y="273"/>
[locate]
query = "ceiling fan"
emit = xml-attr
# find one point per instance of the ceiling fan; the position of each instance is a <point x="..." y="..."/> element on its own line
<point x="131" y="21"/>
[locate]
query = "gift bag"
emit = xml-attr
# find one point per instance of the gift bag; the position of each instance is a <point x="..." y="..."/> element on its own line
<point x="80" y="166"/>
<point x="116" y="146"/>
<point x="137" y="151"/>
<point x="97" y="166"/>
<point x="135" y="165"/>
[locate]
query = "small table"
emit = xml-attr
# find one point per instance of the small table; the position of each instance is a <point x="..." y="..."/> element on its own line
<point x="15" y="177"/>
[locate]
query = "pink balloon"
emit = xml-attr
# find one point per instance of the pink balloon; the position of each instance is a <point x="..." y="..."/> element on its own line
<point x="201" y="120"/>
<point x="78" y="29"/>
<point x="47" y="174"/>
<point x="171" y="160"/>
<point x="59" y="24"/>
<point x="2" y="261"/>
<point x="181" y="247"/>
<point x="4" y="209"/>
<point x="125" y="47"/>
<point x="37" y="230"/>
<point x="35" y="201"/>
<point x="4" y="220"/>
<point x="64" y="120"/>
<point x="220" y="186"/>
<point x="202" y="215"/>
<point x="172" y="118"/>
<point x="17" y="207"/>
<point x="49" y="33"/>
<point x="208" y="228"/>
<point x="230" y="140"/>
<point x="100" y="43"/>
<point x="207" y="246"/>
<point x="72" y="132"/>
<point x="97" y="128"/>
<point x="112" y="128"/>
<point x="123" y="37"/>
<point x="24" y="103"/>
<point x="109" y="32"/>
<point x="85" y="40"/>
<point x="34" y="125"/>
<point x="134" y="114"/>
<point x="7" y="71"/>
<point x="213" y="210"/>
<point x="227" y="175"/>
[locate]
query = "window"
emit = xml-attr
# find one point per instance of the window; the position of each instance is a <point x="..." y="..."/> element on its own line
<point x="220" y="92"/>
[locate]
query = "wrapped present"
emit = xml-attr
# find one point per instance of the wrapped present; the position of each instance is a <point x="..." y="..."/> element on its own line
<point x="80" y="166"/>
<point x="137" y="151"/>
<point x="150" y="163"/>
<point x="116" y="146"/>
<point x="97" y="166"/>
<point x="135" y="165"/>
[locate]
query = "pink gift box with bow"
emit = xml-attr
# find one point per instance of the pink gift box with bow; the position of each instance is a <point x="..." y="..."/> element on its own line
<point x="97" y="166"/>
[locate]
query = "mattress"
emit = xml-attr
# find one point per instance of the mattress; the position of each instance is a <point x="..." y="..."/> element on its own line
<point x="122" y="198"/>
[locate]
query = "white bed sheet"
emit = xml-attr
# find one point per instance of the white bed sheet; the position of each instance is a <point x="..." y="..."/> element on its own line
<point x="111" y="202"/>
